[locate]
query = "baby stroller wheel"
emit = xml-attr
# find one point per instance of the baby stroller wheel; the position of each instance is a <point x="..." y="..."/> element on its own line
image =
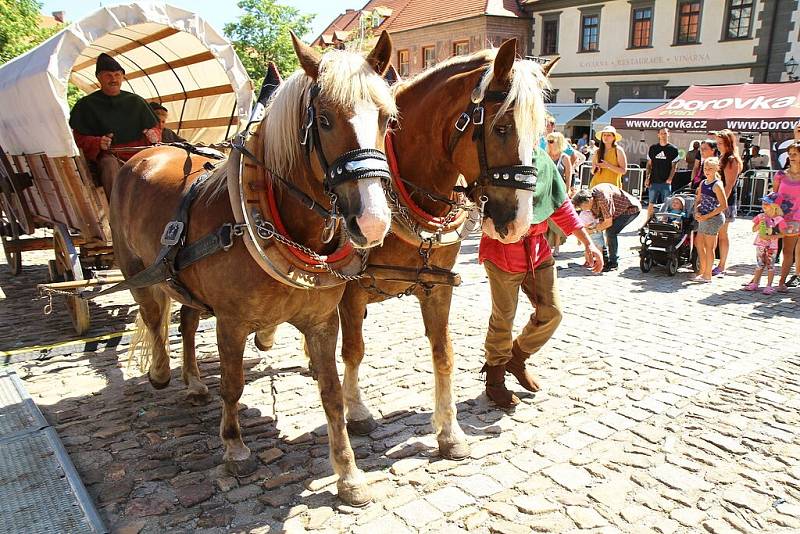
<point x="646" y="262"/>
<point x="672" y="265"/>
<point x="695" y="261"/>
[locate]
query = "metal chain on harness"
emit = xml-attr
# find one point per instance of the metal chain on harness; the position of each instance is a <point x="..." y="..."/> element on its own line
<point x="266" y="230"/>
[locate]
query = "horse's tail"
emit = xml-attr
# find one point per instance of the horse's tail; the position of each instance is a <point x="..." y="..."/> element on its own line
<point x="143" y="340"/>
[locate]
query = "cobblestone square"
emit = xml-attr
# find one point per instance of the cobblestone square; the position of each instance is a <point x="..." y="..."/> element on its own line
<point x="667" y="407"/>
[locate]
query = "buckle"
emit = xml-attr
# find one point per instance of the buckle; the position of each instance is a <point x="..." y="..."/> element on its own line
<point x="479" y="111"/>
<point x="172" y="233"/>
<point x="461" y="126"/>
<point x="307" y="126"/>
<point x="226" y="236"/>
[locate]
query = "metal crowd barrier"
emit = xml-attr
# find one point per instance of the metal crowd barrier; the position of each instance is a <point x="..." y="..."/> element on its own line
<point x="753" y="185"/>
<point x="632" y="180"/>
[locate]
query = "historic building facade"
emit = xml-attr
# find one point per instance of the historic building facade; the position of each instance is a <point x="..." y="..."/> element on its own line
<point x="425" y="33"/>
<point x="618" y="49"/>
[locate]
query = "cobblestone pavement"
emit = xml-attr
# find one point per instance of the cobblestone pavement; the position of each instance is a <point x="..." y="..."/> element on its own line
<point x="668" y="407"/>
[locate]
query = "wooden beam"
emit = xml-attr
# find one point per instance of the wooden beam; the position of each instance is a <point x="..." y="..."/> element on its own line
<point x="166" y="32"/>
<point x="178" y="63"/>
<point x="204" y="123"/>
<point x="28" y="244"/>
<point x="77" y="284"/>
<point x="197" y="93"/>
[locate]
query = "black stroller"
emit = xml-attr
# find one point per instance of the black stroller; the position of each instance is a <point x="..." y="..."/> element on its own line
<point x="668" y="239"/>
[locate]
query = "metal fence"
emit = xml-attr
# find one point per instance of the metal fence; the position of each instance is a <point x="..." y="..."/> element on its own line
<point x="753" y="185"/>
<point x="632" y="180"/>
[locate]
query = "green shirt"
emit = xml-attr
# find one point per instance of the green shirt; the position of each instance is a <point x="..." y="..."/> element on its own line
<point x="550" y="191"/>
<point x="124" y="115"/>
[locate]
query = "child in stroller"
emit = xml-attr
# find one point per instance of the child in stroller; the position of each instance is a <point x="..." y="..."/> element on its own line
<point x="667" y="238"/>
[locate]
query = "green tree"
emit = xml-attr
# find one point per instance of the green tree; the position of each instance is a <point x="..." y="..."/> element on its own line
<point x="20" y="28"/>
<point x="262" y="35"/>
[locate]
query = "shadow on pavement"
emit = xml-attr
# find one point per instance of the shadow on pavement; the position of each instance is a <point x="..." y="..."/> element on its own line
<point x="152" y="460"/>
<point x="23" y="322"/>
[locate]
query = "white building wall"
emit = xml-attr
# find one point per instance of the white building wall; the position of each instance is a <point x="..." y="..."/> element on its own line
<point x="794" y="52"/>
<point x="617" y="63"/>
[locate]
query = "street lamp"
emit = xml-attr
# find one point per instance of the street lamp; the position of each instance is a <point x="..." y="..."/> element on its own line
<point x="791" y="68"/>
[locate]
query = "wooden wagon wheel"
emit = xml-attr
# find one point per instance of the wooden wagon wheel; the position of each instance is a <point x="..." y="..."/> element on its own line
<point x="10" y="232"/>
<point x="68" y="268"/>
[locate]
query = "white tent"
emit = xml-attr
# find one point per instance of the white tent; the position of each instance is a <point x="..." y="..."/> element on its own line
<point x="169" y="55"/>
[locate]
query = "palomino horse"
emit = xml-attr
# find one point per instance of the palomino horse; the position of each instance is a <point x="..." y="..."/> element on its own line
<point x="350" y="104"/>
<point x="497" y="141"/>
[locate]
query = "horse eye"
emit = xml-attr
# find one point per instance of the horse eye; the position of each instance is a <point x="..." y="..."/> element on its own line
<point x="324" y="122"/>
<point x="502" y="129"/>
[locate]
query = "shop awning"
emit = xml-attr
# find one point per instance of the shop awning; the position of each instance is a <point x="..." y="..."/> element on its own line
<point x="748" y="107"/>
<point x="625" y="107"/>
<point x="565" y="113"/>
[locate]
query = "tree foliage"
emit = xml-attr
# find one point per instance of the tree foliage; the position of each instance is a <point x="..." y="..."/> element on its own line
<point x="262" y="35"/>
<point x="20" y="28"/>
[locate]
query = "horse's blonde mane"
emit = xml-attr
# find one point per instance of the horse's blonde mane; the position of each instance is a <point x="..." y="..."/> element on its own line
<point x="527" y="83"/>
<point x="525" y="95"/>
<point x="345" y="79"/>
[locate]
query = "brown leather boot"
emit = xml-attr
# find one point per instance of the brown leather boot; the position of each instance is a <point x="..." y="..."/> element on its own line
<point x="496" y="386"/>
<point x="516" y="366"/>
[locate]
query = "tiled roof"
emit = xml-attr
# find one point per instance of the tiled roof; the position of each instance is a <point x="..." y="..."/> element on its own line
<point x="346" y="22"/>
<point x="341" y="23"/>
<point x="419" y="13"/>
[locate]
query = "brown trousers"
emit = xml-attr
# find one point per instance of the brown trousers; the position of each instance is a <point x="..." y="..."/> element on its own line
<point x="108" y="167"/>
<point x="541" y="289"/>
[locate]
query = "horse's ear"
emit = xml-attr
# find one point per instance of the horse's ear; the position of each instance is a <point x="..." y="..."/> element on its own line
<point x="381" y="55"/>
<point x="309" y="58"/>
<point x="505" y="60"/>
<point x="549" y="65"/>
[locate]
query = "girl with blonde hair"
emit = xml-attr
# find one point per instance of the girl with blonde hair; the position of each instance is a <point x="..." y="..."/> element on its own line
<point x="709" y="213"/>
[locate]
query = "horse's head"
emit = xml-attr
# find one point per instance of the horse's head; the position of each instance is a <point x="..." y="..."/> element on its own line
<point x="494" y="138"/>
<point x="346" y="108"/>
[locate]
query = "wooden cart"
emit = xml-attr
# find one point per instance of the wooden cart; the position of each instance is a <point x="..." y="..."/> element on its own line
<point x="49" y="199"/>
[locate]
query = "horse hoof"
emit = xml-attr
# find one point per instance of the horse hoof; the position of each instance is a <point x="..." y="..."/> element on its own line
<point x="264" y="345"/>
<point x="363" y="427"/>
<point x="242" y="468"/>
<point x="197" y="398"/>
<point x="157" y="385"/>
<point x="357" y="495"/>
<point x="454" y="451"/>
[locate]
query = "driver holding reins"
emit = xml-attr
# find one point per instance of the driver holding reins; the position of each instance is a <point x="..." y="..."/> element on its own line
<point x="111" y="119"/>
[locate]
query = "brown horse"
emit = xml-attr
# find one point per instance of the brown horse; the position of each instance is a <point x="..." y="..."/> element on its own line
<point x="349" y="103"/>
<point x="430" y="107"/>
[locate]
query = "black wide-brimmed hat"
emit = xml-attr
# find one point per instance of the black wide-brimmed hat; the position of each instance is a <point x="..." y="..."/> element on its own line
<point x="106" y="62"/>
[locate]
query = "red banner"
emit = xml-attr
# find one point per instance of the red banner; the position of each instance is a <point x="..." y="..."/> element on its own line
<point x="763" y="107"/>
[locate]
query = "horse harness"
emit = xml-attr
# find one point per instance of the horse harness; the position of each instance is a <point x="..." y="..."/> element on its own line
<point x="175" y="255"/>
<point x="459" y="220"/>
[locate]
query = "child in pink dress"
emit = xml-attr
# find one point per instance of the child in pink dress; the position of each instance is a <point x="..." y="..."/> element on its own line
<point x="768" y="225"/>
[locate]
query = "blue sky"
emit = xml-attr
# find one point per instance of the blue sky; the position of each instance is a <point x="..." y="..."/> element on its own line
<point x="212" y="10"/>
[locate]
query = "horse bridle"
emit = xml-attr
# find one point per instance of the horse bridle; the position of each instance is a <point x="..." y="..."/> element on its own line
<point x="354" y="165"/>
<point x="513" y="176"/>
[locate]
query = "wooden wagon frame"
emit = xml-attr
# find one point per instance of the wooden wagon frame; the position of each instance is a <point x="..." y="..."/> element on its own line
<point x="49" y="198"/>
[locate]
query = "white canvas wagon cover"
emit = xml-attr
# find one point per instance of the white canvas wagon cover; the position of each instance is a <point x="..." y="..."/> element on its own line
<point x="169" y="55"/>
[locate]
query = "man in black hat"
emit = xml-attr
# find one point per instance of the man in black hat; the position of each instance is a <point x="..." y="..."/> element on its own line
<point x="111" y="119"/>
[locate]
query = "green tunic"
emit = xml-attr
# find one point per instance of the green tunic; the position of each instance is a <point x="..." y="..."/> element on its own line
<point x="550" y="191"/>
<point x="124" y="115"/>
